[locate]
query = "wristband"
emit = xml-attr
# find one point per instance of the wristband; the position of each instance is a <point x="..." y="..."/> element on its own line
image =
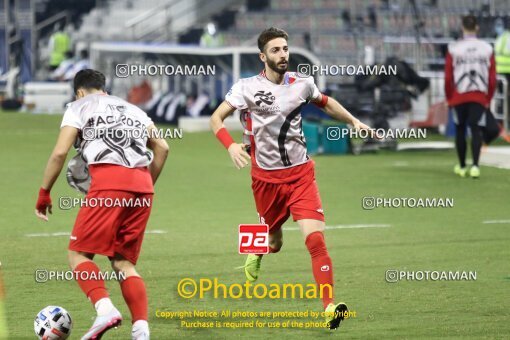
<point x="323" y="102"/>
<point x="44" y="192"/>
<point x="44" y="200"/>
<point x="224" y="137"/>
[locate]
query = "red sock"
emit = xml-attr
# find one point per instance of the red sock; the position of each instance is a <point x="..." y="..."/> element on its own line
<point x="321" y="265"/>
<point x="135" y="295"/>
<point x="93" y="288"/>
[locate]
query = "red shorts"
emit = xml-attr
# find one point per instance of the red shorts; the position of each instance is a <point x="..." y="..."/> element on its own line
<point x="276" y="201"/>
<point x="109" y="229"/>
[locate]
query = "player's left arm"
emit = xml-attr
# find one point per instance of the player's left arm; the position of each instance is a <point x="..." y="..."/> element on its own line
<point x="54" y="166"/>
<point x="336" y="111"/>
<point x="160" y="148"/>
<point x="492" y="79"/>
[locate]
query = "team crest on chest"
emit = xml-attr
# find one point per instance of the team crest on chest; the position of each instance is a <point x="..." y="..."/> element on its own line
<point x="263" y="97"/>
<point x="265" y="102"/>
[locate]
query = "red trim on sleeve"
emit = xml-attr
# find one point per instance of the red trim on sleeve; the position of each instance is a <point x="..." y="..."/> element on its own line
<point x="492" y="79"/>
<point x="224" y="137"/>
<point x="448" y="76"/>
<point x="323" y="102"/>
<point x="232" y="106"/>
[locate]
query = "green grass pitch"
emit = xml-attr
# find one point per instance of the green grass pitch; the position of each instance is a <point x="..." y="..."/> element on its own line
<point x="200" y="200"/>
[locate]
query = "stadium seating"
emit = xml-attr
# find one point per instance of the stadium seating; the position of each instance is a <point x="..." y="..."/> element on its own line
<point x="113" y="21"/>
<point x="332" y="35"/>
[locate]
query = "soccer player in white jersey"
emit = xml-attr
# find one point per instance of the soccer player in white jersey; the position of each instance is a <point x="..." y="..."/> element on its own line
<point x="283" y="178"/>
<point x="121" y="167"/>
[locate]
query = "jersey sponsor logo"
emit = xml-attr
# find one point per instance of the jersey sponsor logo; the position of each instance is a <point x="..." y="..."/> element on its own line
<point x="73" y="238"/>
<point x="263" y="97"/>
<point x="253" y="239"/>
<point x="471" y="60"/>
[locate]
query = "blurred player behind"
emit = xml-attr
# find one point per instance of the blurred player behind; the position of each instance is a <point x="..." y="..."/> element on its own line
<point x="470" y="83"/>
<point x="121" y="168"/>
<point x="283" y="177"/>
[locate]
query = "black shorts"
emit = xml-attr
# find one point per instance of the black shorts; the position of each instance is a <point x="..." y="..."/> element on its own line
<point x="471" y="114"/>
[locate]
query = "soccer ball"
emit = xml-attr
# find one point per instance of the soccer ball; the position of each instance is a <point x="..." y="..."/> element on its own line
<point x="78" y="175"/>
<point x="53" y="323"/>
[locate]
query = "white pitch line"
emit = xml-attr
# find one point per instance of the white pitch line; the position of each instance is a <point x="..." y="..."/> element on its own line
<point x="66" y="233"/>
<point x="347" y="226"/>
<point x="48" y="234"/>
<point x="496" y="222"/>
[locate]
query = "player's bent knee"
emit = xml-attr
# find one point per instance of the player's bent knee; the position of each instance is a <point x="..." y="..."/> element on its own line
<point x="119" y="265"/>
<point x="71" y="255"/>
<point x="125" y="267"/>
<point x="276" y="246"/>
<point x="309" y="226"/>
<point x="75" y="258"/>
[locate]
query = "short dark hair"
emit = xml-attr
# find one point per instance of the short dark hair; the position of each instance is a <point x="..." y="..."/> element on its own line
<point x="269" y="34"/>
<point x="469" y="22"/>
<point x="89" y="79"/>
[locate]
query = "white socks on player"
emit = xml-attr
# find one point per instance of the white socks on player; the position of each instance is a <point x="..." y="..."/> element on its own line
<point x="104" y="306"/>
<point x="140" y="330"/>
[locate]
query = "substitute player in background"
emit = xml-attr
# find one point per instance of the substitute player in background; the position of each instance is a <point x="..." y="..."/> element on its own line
<point x="283" y="177"/>
<point x="120" y="168"/>
<point x="469" y="82"/>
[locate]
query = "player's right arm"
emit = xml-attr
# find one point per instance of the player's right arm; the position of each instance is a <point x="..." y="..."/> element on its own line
<point x="448" y="76"/>
<point x="65" y="141"/>
<point x="160" y="148"/>
<point x="237" y="151"/>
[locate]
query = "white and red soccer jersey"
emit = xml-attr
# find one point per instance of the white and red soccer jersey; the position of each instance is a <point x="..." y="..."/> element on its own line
<point x="273" y="118"/>
<point x="117" y="160"/>
<point x="100" y="112"/>
<point x="470" y="72"/>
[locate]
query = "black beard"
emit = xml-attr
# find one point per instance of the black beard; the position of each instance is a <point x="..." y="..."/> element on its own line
<point x="273" y="66"/>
